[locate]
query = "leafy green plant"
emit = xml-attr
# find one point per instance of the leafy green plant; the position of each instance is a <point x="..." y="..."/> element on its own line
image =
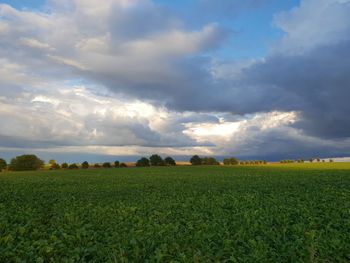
<point x="277" y="213"/>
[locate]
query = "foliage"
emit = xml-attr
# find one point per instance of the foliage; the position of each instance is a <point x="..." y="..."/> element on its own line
<point x="195" y="160"/>
<point x="52" y="161"/>
<point x="73" y="166"/>
<point x="55" y="166"/>
<point x="209" y="161"/>
<point x="169" y="161"/>
<point x="97" y="165"/>
<point x="27" y="162"/>
<point x="287" y="161"/>
<point x="106" y="165"/>
<point x="184" y="214"/>
<point x="231" y="161"/>
<point x="85" y="165"/>
<point x="64" y="165"/>
<point x="3" y="164"/>
<point x="116" y="164"/>
<point x="143" y="162"/>
<point x="123" y="165"/>
<point x="156" y="160"/>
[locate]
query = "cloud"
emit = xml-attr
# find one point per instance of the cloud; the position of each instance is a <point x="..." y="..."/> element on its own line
<point x="131" y="73"/>
<point x="76" y="117"/>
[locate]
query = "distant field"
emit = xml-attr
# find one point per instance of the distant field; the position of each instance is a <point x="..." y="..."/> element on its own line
<point x="314" y="166"/>
<point x="273" y="213"/>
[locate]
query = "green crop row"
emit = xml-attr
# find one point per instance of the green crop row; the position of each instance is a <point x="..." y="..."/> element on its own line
<point x="176" y="214"/>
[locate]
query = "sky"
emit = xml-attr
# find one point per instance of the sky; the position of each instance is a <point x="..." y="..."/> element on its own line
<point x="119" y="79"/>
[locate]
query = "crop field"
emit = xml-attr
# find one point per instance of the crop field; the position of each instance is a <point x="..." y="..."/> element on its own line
<point x="273" y="213"/>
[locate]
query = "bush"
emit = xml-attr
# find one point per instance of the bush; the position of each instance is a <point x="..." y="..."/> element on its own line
<point x="85" y="165"/>
<point x="123" y="165"/>
<point x="64" y="165"/>
<point x="196" y="160"/>
<point x="28" y="162"/>
<point x="169" y="161"/>
<point x="55" y="166"/>
<point x="156" y="160"/>
<point x="116" y="164"/>
<point x="106" y="165"/>
<point x="3" y="164"/>
<point x="143" y="162"/>
<point x="231" y="161"/>
<point x="209" y="161"/>
<point x="73" y="166"/>
<point x="97" y="165"/>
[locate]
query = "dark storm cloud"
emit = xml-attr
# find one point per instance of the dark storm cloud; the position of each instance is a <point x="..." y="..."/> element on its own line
<point x="316" y="83"/>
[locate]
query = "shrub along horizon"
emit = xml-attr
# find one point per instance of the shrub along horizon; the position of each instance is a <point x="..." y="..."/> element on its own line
<point x="169" y="161"/>
<point x="231" y="161"/>
<point x="55" y="166"/>
<point x="64" y="165"/>
<point x="116" y="164"/>
<point x="123" y="165"/>
<point x="73" y="166"/>
<point x="196" y="160"/>
<point x="26" y="162"/>
<point x="156" y="160"/>
<point x="106" y="165"/>
<point x="3" y="164"/>
<point x="209" y="161"/>
<point x="143" y="162"/>
<point x="85" y="165"/>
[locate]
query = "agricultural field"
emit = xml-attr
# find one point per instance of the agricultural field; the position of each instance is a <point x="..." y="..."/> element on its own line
<point x="272" y="213"/>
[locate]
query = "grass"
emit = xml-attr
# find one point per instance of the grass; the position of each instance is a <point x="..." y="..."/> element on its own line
<point x="274" y="213"/>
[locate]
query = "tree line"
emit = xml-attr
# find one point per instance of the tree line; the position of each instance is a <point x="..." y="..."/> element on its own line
<point x="155" y="160"/>
<point x="311" y="160"/>
<point x="32" y="162"/>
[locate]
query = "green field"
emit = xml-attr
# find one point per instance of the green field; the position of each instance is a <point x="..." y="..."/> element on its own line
<point x="276" y="213"/>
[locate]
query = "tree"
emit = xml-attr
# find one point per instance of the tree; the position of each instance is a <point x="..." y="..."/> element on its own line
<point x="234" y="161"/>
<point x="195" y="160"/>
<point x="3" y="164"/>
<point x="156" y="160"/>
<point x="123" y="165"/>
<point x="226" y="161"/>
<point x="169" y="161"/>
<point x="27" y="162"/>
<point x="231" y="161"/>
<point x="73" y="166"/>
<point x="96" y="165"/>
<point x="52" y="161"/>
<point x="85" y="165"/>
<point x="116" y="164"/>
<point x="55" y="166"/>
<point x="64" y="165"/>
<point x="143" y="162"/>
<point x="106" y="165"/>
<point x="209" y="161"/>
